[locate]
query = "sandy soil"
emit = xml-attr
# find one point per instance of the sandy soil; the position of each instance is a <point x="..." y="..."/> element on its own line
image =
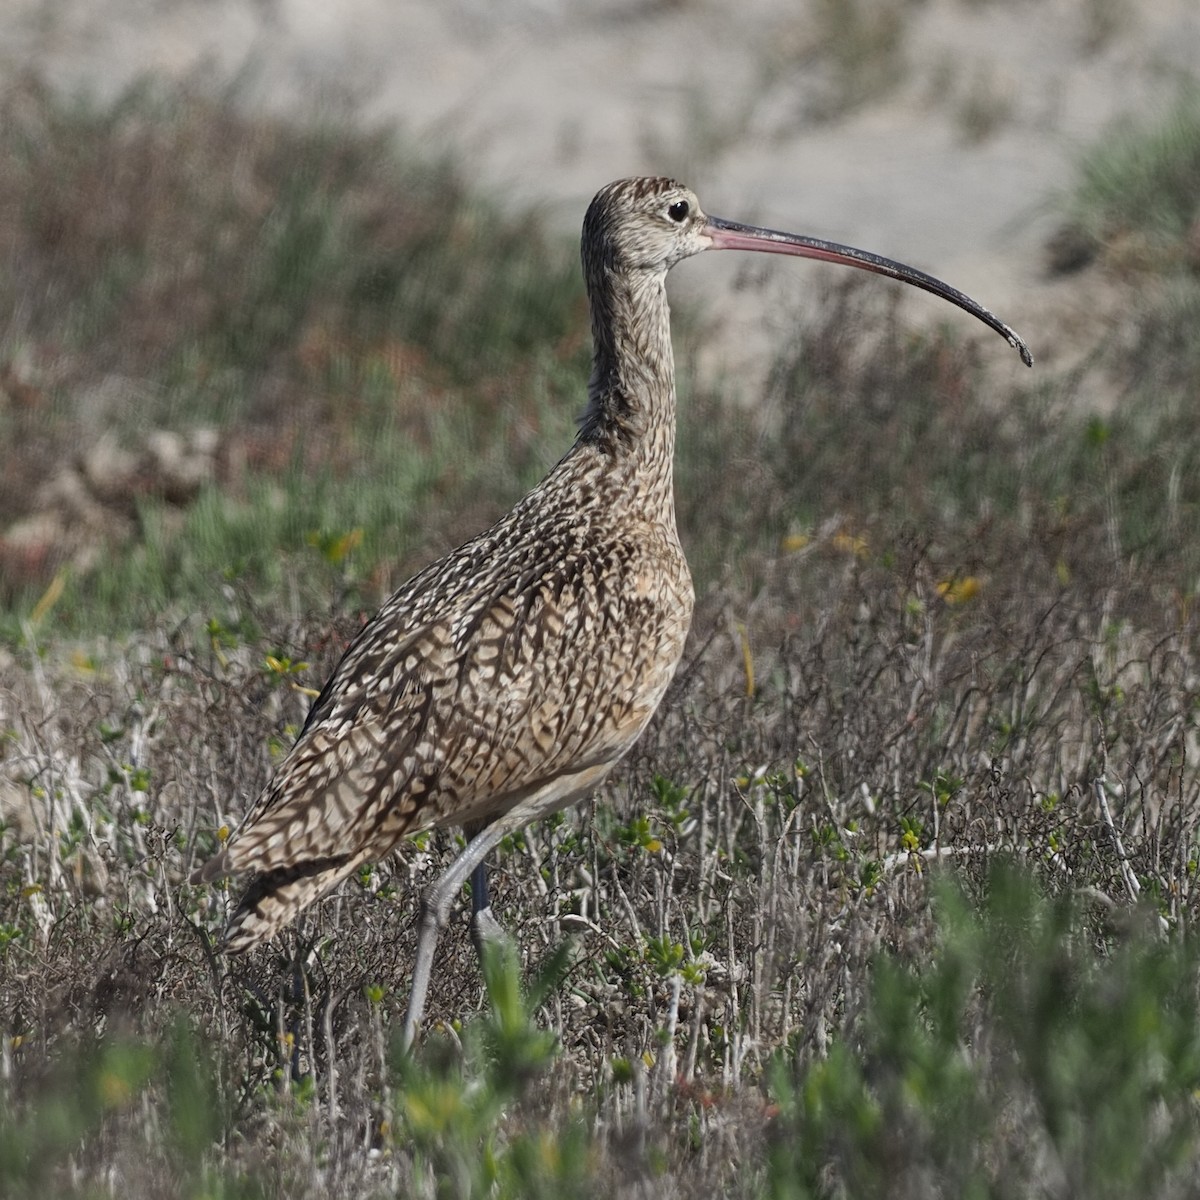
<point x="547" y="99"/>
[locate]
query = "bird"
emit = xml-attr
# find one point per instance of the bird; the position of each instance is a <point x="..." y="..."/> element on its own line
<point x="506" y="680"/>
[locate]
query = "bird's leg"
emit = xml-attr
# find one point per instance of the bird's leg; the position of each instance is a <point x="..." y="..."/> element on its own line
<point x="422" y="965"/>
<point x="485" y="929"/>
<point x="435" y="904"/>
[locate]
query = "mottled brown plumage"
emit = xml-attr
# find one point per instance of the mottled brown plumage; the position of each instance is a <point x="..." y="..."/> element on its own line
<point x="507" y="679"/>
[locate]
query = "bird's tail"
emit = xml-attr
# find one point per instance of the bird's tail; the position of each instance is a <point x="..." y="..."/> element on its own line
<point x="275" y="897"/>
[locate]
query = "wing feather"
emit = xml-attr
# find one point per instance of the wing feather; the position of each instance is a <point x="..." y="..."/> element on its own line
<point x="477" y="684"/>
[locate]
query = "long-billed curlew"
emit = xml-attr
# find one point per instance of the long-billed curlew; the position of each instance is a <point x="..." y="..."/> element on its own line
<point x="504" y="681"/>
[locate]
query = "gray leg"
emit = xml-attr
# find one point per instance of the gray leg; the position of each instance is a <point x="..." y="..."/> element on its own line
<point x="435" y="904"/>
<point x="485" y="929"/>
<point x="435" y="908"/>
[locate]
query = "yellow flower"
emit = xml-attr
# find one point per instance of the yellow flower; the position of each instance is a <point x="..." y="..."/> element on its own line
<point x="959" y="590"/>
<point x="850" y="543"/>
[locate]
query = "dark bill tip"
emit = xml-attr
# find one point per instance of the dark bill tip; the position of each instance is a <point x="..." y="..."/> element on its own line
<point x="731" y="235"/>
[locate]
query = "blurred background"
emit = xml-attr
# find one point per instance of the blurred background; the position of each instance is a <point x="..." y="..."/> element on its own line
<point x="938" y="131"/>
<point x="947" y="133"/>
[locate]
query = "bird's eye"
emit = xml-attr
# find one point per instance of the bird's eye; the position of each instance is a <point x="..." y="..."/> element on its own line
<point x="678" y="211"/>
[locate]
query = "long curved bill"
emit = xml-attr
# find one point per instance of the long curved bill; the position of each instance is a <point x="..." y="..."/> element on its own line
<point x="731" y="235"/>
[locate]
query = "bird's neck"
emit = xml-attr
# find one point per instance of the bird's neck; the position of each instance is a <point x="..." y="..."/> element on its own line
<point x="630" y="415"/>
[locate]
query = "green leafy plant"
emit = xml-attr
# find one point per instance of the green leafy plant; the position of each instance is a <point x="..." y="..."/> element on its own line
<point x="1019" y="1017"/>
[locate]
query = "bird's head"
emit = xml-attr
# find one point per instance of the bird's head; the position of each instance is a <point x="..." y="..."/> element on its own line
<point x="643" y="225"/>
<point x="649" y="224"/>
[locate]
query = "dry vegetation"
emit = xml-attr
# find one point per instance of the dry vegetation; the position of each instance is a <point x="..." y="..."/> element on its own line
<point x="896" y="897"/>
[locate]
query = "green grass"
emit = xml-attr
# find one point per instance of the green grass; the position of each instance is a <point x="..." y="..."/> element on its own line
<point x="1137" y="193"/>
<point x="1019" y="1019"/>
<point x="343" y="314"/>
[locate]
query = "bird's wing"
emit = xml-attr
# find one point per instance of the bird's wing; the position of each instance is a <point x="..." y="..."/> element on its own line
<point x="455" y="717"/>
